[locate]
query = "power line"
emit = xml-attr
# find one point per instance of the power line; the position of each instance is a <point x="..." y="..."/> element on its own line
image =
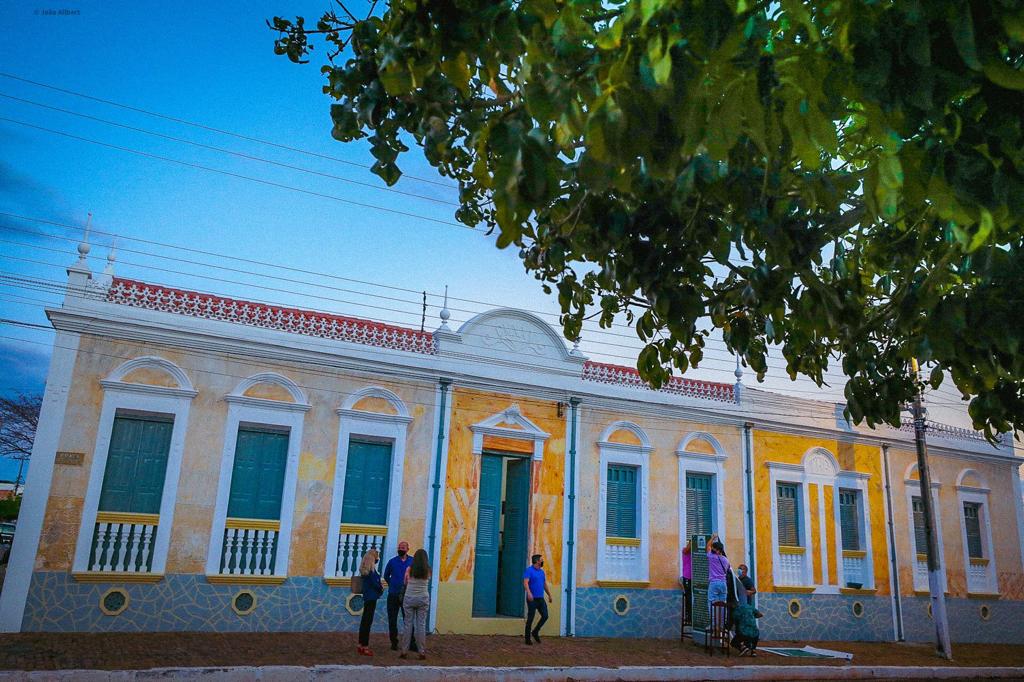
<point x="219" y="131"/>
<point x="239" y="176"/>
<point x="230" y="152"/>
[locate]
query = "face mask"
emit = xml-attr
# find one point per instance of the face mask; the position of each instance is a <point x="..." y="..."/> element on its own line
<point x="542" y="564"/>
<point x="402" y="552"/>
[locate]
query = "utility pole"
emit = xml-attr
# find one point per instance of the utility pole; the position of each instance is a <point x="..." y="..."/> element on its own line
<point x="938" y="598"/>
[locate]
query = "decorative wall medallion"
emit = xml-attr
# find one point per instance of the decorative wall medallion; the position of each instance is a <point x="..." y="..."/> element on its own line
<point x="819" y="463"/>
<point x="354" y="604"/>
<point x="244" y="603"/>
<point x="620" y="605"/>
<point x="114" y="601"/>
<point x="514" y="339"/>
<point x="985" y="612"/>
<point x="794" y="608"/>
<point x="857" y="609"/>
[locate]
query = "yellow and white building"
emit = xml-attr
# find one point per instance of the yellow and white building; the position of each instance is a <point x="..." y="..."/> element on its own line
<point x="204" y="463"/>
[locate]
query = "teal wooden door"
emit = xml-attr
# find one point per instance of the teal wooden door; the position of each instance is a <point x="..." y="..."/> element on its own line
<point x="367" y="483"/>
<point x="133" y="480"/>
<point x="514" y="559"/>
<point x="488" y="526"/>
<point x="257" y="479"/>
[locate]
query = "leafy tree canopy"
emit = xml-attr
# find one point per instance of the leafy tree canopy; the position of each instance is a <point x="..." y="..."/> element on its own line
<point x="838" y="178"/>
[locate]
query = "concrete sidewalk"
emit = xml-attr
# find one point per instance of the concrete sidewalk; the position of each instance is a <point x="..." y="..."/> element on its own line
<point x="526" y="674"/>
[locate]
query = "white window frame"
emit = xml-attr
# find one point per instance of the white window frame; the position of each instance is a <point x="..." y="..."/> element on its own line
<point x="261" y="411"/>
<point x="851" y="480"/>
<point x="526" y="430"/>
<point x="354" y="423"/>
<point x="701" y="463"/>
<point x="793" y="474"/>
<point x="913" y="489"/>
<point x="629" y="455"/>
<point x="978" y="495"/>
<point x="120" y="395"/>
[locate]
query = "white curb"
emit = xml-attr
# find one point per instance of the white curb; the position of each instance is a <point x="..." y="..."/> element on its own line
<point x="322" y="673"/>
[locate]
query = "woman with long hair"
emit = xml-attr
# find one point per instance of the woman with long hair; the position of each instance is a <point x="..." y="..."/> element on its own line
<point x="417" y="599"/>
<point x="372" y="590"/>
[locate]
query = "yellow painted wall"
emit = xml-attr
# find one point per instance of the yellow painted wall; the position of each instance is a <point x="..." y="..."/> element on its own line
<point x="789" y="449"/>
<point x="665" y="435"/>
<point x="458" y="535"/>
<point x="214" y="377"/>
<point x="945" y="470"/>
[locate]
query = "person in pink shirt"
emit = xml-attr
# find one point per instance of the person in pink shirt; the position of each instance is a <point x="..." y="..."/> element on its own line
<point x="687" y="577"/>
<point x="718" y="569"/>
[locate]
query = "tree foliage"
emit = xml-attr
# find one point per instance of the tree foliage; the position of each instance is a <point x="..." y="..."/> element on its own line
<point x="838" y="178"/>
<point x="19" y="417"/>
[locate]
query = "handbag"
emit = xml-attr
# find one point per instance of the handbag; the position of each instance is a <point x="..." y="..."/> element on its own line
<point x="357" y="584"/>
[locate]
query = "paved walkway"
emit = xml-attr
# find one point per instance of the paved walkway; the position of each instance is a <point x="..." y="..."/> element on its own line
<point x="308" y="656"/>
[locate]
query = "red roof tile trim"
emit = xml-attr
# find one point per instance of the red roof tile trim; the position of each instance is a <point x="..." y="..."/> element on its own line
<point x="324" y="325"/>
<point x="627" y="376"/>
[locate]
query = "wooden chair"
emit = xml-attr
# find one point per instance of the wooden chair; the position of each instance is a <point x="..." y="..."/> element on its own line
<point x="718" y="633"/>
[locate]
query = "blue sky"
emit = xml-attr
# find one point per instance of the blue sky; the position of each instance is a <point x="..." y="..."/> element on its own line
<point x="213" y="63"/>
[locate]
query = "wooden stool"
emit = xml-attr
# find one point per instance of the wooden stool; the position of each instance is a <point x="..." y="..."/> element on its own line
<point x="718" y="633"/>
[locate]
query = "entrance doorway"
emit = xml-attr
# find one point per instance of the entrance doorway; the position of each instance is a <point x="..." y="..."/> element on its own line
<point x="501" y="536"/>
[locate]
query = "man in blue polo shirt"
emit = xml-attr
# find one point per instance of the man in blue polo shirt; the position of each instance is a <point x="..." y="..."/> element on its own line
<point x="536" y="587"/>
<point x="394" y="576"/>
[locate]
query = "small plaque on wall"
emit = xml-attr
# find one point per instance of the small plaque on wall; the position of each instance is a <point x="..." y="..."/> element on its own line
<point x="71" y="459"/>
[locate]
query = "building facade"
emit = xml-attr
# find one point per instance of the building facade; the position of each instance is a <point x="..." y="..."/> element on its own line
<point x="209" y="464"/>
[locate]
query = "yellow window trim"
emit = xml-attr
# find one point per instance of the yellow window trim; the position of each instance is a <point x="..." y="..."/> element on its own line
<point x="850" y="590"/>
<point x="926" y="593"/>
<point x="984" y="595"/>
<point x="623" y="542"/>
<point x="794" y="589"/>
<point x="787" y="549"/>
<point x="979" y="561"/>
<point x="128" y="517"/>
<point x="338" y="582"/>
<point x="624" y="583"/>
<point x="360" y="529"/>
<point x="922" y="557"/>
<point x="115" y="577"/>
<point x="854" y="554"/>
<point x="245" y="579"/>
<point x="253" y="524"/>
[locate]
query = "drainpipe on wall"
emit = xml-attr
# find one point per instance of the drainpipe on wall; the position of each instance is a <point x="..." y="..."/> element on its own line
<point x="748" y="456"/>
<point x="893" y="558"/>
<point x="443" y="384"/>
<point x="570" y="576"/>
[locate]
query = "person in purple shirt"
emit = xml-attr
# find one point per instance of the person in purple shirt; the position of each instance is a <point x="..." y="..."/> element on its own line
<point x="394" y="576"/>
<point x="718" y="568"/>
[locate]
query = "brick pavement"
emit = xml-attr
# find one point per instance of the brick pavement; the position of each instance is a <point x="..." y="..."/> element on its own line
<point x="110" y="651"/>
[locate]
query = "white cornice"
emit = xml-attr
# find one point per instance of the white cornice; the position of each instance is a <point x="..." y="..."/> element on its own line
<point x="702" y="456"/>
<point x="148" y="389"/>
<point x="266" y="404"/>
<point x="916" y="483"/>
<point x="374" y="416"/>
<point x="624" y="447"/>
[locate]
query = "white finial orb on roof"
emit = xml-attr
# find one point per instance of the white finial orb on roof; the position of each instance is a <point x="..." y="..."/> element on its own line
<point x="445" y="313"/>
<point x="738" y="373"/>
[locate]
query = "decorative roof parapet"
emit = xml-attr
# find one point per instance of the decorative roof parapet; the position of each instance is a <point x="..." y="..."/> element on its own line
<point x="324" y="325"/>
<point x="946" y="431"/>
<point x="627" y="376"/>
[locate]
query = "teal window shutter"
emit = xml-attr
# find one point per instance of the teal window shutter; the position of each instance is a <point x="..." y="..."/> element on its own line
<point x="920" y="540"/>
<point x="621" y="504"/>
<point x="972" y="521"/>
<point x="367" y="483"/>
<point x="699" y="494"/>
<point x="849" y="518"/>
<point x="133" y="480"/>
<point x="257" y="477"/>
<point x="787" y="503"/>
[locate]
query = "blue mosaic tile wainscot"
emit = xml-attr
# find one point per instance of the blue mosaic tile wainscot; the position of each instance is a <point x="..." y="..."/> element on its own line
<point x="652" y="613"/>
<point x="825" y="617"/>
<point x="1005" y="624"/>
<point x="56" y="603"/>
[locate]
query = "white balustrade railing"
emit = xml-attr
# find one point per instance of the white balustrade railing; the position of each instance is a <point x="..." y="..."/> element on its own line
<point x="920" y="573"/>
<point x="353" y="542"/>
<point x="978" y="580"/>
<point x="791" y="566"/>
<point x="123" y="542"/>
<point x="622" y="559"/>
<point x="250" y="547"/>
<point x="855" y="569"/>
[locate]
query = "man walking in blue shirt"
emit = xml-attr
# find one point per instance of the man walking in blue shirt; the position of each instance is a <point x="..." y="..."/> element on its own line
<point x="394" y="576"/>
<point x="536" y="587"/>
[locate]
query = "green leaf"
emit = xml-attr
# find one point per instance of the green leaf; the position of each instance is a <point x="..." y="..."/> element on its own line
<point x="1004" y="75"/>
<point x="961" y="25"/>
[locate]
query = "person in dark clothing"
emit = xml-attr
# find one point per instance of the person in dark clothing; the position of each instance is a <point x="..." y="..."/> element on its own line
<point x="746" y="594"/>
<point x="536" y="587"/>
<point x="394" y="576"/>
<point x="747" y="633"/>
<point x="372" y="590"/>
